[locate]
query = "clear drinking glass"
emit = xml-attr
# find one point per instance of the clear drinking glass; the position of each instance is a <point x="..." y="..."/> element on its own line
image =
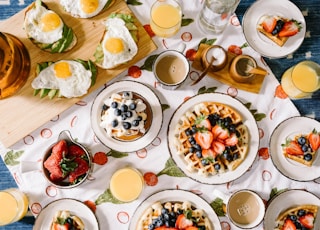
<point x="13" y="206"/>
<point x="215" y="14"/>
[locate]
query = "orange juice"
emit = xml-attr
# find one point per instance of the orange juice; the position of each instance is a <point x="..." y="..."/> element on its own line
<point x="165" y="18"/>
<point x="14" y="206"/>
<point x="305" y="77"/>
<point x="126" y="184"/>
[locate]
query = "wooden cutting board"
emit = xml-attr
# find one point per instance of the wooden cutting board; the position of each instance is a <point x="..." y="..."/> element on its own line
<point x="23" y="113"/>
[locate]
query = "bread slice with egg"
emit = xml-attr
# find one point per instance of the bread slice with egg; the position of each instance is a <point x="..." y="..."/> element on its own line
<point x="85" y="8"/>
<point x="46" y="29"/>
<point x="64" y="78"/>
<point x="118" y="44"/>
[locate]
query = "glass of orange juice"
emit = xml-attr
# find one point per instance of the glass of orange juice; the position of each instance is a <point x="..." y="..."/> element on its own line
<point x="13" y="206"/>
<point x="165" y="17"/>
<point x="301" y="80"/>
<point x="126" y="184"/>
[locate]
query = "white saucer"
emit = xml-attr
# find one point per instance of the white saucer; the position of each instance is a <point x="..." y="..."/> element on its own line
<point x="45" y="217"/>
<point x="288" y="199"/>
<point x="261" y="43"/>
<point x="176" y="196"/>
<point x="248" y="120"/>
<point x="289" y="128"/>
<point x="156" y="110"/>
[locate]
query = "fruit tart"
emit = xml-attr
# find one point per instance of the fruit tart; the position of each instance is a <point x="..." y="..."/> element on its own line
<point x="297" y="217"/>
<point x="302" y="148"/>
<point x="173" y="215"/>
<point x="63" y="219"/>
<point x="278" y="29"/>
<point x="211" y="139"/>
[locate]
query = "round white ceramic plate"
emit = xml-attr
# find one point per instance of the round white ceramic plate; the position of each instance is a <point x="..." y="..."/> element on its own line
<point x="288" y="199"/>
<point x="44" y="219"/>
<point x="247" y="119"/>
<point x="156" y="110"/>
<point x="176" y="196"/>
<point x="288" y="129"/>
<point x="261" y="43"/>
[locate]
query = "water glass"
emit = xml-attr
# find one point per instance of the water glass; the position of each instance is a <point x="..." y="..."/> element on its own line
<point x="215" y="14"/>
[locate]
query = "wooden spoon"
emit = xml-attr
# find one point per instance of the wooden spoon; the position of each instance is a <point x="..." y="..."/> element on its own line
<point x="203" y="74"/>
<point x="258" y="71"/>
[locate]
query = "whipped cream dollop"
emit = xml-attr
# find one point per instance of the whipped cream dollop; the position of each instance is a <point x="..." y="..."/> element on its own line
<point x="123" y="115"/>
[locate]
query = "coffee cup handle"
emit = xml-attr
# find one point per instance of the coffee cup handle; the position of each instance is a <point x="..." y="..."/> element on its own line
<point x="181" y="47"/>
<point x="224" y="197"/>
<point x="29" y="166"/>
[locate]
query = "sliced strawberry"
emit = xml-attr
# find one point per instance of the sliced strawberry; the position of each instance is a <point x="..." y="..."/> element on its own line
<point x="60" y="149"/>
<point x="293" y="148"/>
<point x="314" y="140"/>
<point x="269" y="23"/>
<point x="307" y="220"/>
<point x="218" y="147"/>
<point x="219" y="132"/>
<point x="232" y="140"/>
<point x="81" y="169"/>
<point x="52" y="164"/>
<point x="165" y="228"/>
<point x="289" y="225"/>
<point x="290" y="28"/>
<point x="205" y="123"/>
<point x="208" y="153"/>
<point x="182" y="222"/>
<point x="56" y="226"/>
<point x="76" y="150"/>
<point x="204" y="139"/>
<point x="192" y="228"/>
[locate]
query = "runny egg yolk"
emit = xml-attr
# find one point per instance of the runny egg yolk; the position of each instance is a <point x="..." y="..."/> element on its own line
<point x="50" y="22"/>
<point x="62" y="70"/>
<point x="89" y="6"/>
<point x="114" y="45"/>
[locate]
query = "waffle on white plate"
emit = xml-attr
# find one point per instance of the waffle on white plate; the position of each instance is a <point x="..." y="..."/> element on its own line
<point x="177" y="215"/>
<point x="211" y="138"/>
<point x="302" y="216"/>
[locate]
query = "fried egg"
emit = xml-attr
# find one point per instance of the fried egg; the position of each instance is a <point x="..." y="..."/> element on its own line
<point x="118" y="45"/>
<point x="83" y="8"/>
<point x="70" y="77"/>
<point x="43" y="25"/>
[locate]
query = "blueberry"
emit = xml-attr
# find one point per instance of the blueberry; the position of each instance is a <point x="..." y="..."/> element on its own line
<point x="301" y="140"/>
<point x="278" y="27"/>
<point x="232" y="128"/>
<point x="132" y="106"/>
<point x="305" y="148"/>
<point x="114" y="104"/>
<point x="192" y="149"/>
<point x="236" y="156"/>
<point x="301" y="212"/>
<point x="192" y="140"/>
<point x="197" y="147"/>
<point x="204" y="162"/>
<point x="114" y="123"/>
<point x="189" y="132"/>
<point x="117" y="112"/>
<point x="307" y="157"/>
<point x="293" y="217"/>
<point x="139" y="118"/>
<point x="129" y="114"/>
<point x="104" y="107"/>
<point x="198" y="154"/>
<point x="217" y="166"/>
<point x="135" y="123"/>
<point x="126" y="125"/>
<point x="126" y="95"/>
<point x="124" y="108"/>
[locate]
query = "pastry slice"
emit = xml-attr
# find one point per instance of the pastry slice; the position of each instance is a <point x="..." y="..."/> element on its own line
<point x="63" y="219"/>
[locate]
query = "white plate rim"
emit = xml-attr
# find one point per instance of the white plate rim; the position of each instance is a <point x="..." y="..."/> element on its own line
<point x="176" y="195"/>
<point x="285" y="200"/>
<point x="76" y="207"/>
<point x="295" y="125"/>
<point x="248" y="120"/>
<point x="144" y="91"/>
<point x="259" y="42"/>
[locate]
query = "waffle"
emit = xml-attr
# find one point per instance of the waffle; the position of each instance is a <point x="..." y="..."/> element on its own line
<point x="231" y="139"/>
<point x="65" y="218"/>
<point x="155" y="213"/>
<point x="307" y="154"/>
<point x="304" y="215"/>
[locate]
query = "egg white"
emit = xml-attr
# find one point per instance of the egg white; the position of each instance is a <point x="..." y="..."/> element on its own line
<point x="73" y="7"/>
<point x="34" y="30"/>
<point x="74" y="86"/>
<point x="116" y="28"/>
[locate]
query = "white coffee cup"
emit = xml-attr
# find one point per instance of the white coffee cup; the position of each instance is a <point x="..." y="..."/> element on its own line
<point x="245" y="208"/>
<point x="171" y="69"/>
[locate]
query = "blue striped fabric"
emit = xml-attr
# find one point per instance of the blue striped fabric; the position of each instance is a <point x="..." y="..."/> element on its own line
<point x="311" y="45"/>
